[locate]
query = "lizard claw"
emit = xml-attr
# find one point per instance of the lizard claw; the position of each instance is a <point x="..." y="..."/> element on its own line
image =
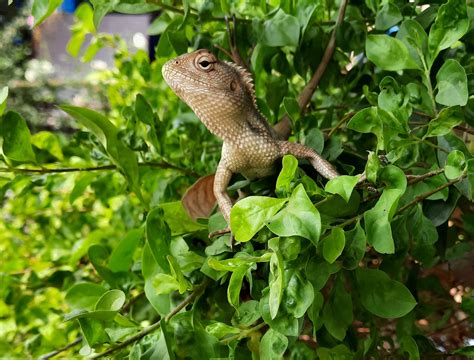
<point x="223" y="232"/>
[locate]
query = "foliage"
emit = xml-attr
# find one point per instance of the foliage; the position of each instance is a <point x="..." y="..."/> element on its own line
<point x="94" y="233"/>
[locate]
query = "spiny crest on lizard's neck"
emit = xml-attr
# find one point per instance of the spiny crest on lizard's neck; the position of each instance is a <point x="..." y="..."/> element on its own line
<point x="220" y="93"/>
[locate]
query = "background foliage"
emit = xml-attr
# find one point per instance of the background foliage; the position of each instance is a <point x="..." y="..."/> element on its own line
<point x="93" y="231"/>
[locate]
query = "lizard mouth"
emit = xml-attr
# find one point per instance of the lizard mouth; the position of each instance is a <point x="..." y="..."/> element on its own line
<point x="174" y="78"/>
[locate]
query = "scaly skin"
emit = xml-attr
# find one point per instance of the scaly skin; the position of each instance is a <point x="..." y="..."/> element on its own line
<point x="222" y="96"/>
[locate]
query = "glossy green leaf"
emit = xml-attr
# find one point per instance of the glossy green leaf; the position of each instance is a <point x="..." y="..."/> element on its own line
<point x="235" y="284"/>
<point x="337" y="312"/>
<point x="318" y="272"/>
<point x="299" y="295"/>
<point x="445" y="121"/>
<point x="455" y="164"/>
<point x="164" y="284"/>
<point x="355" y="247"/>
<point x="150" y="269"/>
<point x="287" y="175"/>
<point x="450" y="25"/>
<point x="112" y="300"/>
<point x="247" y="313"/>
<point x="272" y="345"/>
<point x="84" y="295"/>
<point x="102" y="8"/>
<point x="122" y="255"/>
<point x="16" y="138"/>
<point x="333" y="245"/>
<point x="451" y="82"/>
<point x="42" y="9"/>
<point x="284" y="322"/>
<point x="249" y="215"/>
<point x="408" y="345"/>
<point x="281" y="30"/>
<point x="376" y="290"/>
<point x="276" y="279"/>
<point x="339" y="352"/>
<point x="389" y="53"/>
<point x="388" y="16"/>
<point x="299" y="218"/>
<point x="220" y="330"/>
<point x="233" y="263"/>
<point x="372" y="167"/>
<point x="414" y="37"/>
<point x="342" y="185"/>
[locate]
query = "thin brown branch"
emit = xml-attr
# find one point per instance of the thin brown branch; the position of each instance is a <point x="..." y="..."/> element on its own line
<point x="162" y="165"/>
<point x="413" y="179"/>
<point x="341" y="122"/>
<point x="231" y="33"/>
<point x="449" y="326"/>
<point x="59" y="351"/>
<point x="283" y="128"/>
<point x="465" y="129"/>
<point x="423" y="196"/>
<point x="190" y="299"/>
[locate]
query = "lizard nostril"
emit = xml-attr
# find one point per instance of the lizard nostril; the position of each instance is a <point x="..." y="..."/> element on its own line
<point x="176" y="62"/>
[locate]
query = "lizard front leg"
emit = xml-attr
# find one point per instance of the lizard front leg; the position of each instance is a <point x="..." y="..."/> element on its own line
<point x="221" y="181"/>
<point x="299" y="151"/>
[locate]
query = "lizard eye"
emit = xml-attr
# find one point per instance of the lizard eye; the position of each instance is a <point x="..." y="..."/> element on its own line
<point x="204" y="64"/>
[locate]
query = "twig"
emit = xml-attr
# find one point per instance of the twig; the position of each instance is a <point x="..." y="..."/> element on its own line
<point x="413" y="179"/>
<point x="59" y="351"/>
<point x="283" y="128"/>
<point x="423" y="196"/>
<point x="196" y="293"/>
<point x="162" y="165"/>
<point x="233" y="42"/>
<point x="449" y="326"/>
<point x="465" y="129"/>
<point x="341" y="122"/>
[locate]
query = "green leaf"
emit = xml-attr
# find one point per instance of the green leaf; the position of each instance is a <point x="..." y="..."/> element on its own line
<point x="184" y="284"/>
<point x="451" y="82"/>
<point x="122" y="255"/>
<point x="342" y="185"/>
<point x="121" y="155"/>
<point x="160" y="302"/>
<point x="455" y="165"/>
<point x="84" y="295"/>
<point x="408" y="345"/>
<point x="16" y="138"/>
<point x="299" y="295"/>
<point x="102" y="8"/>
<point x="49" y="142"/>
<point x="372" y="167"/>
<point x="98" y="256"/>
<point x="299" y="218"/>
<point x="249" y="215"/>
<point x="144" y="111"/>
<point x="389" y="53"/>
<point x="82" y="182"/>
<point x="276" y="279"/>
<point x="376" y="290"/>
<point x="285" y="323"/>
<point x="333" y="245"/>
<point x="3" y="99"/>
<point x="247" y="313"/>
<point x="318" y="272"/>
<point x="158" y="236"/>
<point x="287" y="175"/>
<point x="388" y="16"/>
<point x="292" y="108"/>
<point x="354" y="250"/>
<point x="281" y="30"/>
<point x="233" y="263"/>
<point x="164" y="284"/>
<point x="338" y="352"/>
<point x="337" y="312"/>
<point x="42" y="9"/>
<point x="450" y="25"/>
<point x="445" y="121"/>
<point x="220" y="329"/>
<point x="112" y="300"/>
<point x="414" y="37"/>
<point x="235" y="284"/>
<point x="272" y="345"/>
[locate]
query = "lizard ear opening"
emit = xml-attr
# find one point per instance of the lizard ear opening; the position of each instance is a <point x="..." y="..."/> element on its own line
<point x="233" y="85"/>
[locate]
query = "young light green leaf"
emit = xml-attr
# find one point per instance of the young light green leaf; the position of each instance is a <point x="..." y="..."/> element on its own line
<point x="249" y="215"/>
<point x="376" y="290"/>
<point x="333" y="245"/>
<point x="220" y="329"/>
<point x="451" y="82"/>
<point x="42" y="9"/>
<point x="445" y="121"/>
<point x="455" y="164"/>
<point x="49" y="142"/>
<point x="272" y="345"/>
<point x="342" y="185"/>
<point x="16" y="138"/>
<point x="337" y="312"/>
<point x="286" y="176"/>
<point x="389" y="53"/>
<point x="158" y="236"/>
<point x="165" y="284"/>
<point x="372" y="167"/>
<point x="3" y="99"/>
<point x="112" y="300"/>
<point x="299" y="218"/>
<point x="84" y="295"/>
<point x="450" y="25"/>
<point x="281" y="30"/>
<point x="184" y="284"/>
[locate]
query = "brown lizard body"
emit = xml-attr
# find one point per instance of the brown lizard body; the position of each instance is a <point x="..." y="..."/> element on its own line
<point x="222" y="95"/>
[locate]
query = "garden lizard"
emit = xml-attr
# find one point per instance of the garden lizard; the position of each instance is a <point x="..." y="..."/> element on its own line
<point x="222" y="95"/>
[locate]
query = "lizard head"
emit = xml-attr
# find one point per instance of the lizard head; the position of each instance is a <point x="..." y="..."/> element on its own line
<point x="209" y="86"/>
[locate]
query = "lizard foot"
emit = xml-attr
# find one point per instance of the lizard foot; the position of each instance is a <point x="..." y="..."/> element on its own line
<point x="223" y="232"/>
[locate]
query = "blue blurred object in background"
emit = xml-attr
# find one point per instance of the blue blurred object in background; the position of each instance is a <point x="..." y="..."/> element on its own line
<point x="393" y="30"/>
<point x="69" y="6"/>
